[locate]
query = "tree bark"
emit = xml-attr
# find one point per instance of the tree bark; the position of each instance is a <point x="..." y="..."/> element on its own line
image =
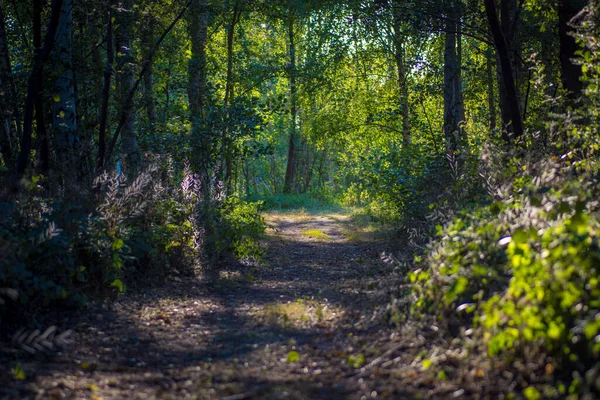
<point x="125" y="84"/>
<point x="508" y="81"/>
<point x="292" y="160"/>
<point x="8" y="97"/>
<point x="105" y="89"/>
<point x="64" y="112"/>
<point x="148" y="95"/>
<point x="451" y="67"/>
<point x="40" y="118"/>
<point x="227" y="140"/>
<point x="34" y="85"/>
<point x="402" y="73"/>
<point x="570" y="72"/>
<point x="491" y="92"/>
<point x="197" y="87"/>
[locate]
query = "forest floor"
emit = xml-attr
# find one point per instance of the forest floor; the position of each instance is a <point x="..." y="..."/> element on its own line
<point x="309" y="323"/>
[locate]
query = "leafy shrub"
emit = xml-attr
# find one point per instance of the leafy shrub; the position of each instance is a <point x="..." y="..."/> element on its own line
<point x="525" y="269"/>
<point x="233" y="227"/>
<point x="308" y="201"/>
<point x="102" y="237"/>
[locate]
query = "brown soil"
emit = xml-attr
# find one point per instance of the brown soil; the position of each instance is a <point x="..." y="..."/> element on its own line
<point x="319" y="297"/>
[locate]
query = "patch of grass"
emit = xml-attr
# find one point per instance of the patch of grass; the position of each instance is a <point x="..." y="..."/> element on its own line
<point x="361" y="227"/>
<point x="311" y="203"/>
<point x="299" y="312"/>
<point x="315" y="234"/>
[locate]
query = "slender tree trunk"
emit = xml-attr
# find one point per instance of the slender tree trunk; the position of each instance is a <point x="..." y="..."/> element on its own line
<point x="40" y="119"/>
<point x="402" y="73"/>
<point x="8" y="97"/>
<point x="197" y="86"/>
<point x="105" y="89"/>
<point x="34" y="86"/>
<point x="460" y="104"/>
<point x="125" y="83"/>
<point x="571" y="73"/>
<point x="491" y="91"/>
<point x="227" y="140"/>
<point x="292" y="160"/>
<point x="64" y="112"/>
<point x="451" y="67"/>
<point x="148" y="94"/>
<point x="508" y="80"/>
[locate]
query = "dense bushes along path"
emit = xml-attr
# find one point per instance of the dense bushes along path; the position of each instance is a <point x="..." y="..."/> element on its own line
<point x="308" y="324"/>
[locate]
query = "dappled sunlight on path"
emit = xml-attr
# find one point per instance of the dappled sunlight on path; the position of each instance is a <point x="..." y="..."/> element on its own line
<point x="302" y="325"/>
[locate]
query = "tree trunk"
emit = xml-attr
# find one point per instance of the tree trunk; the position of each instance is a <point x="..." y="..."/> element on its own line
<point x="292" y="160"/>
<point x="491" y="92"/>
<point x="197" y="86"/>
<point x="8" y="97"/>
<point x="402" y="73"/>
<point x="105" y="90"/>
<point x="40" y="118"/>
<point x="34" y="85"/>
<point x="571" y="73"/>
<point x="508" y="81"/>
<point x="227" y="140"/>
<point x="64" y="112"/>
<point x="125" y="82"/>
<point x="451" y="67"/>
<point x="148" y="95"/>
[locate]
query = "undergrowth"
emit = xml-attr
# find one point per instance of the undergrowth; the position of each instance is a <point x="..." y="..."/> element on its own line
<point x="97" y="240"/>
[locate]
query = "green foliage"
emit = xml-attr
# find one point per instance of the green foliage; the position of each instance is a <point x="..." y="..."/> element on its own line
<point x="292" y="357"/>
<point x="306" y="201"/>
<point x="233" y="227"/>
<point x="61" y="250"/>
<point x="524" y="270"/>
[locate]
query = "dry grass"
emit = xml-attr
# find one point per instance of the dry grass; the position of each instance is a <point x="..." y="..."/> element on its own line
<point x="298" y="313"/>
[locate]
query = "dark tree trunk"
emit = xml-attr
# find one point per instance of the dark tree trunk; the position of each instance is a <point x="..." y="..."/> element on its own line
<point x="64" y="111"/>
<point x="508" y="80"/>
<point x="34" y="86"/>
<point x="571" y="73"/>
<point x="402" y="73"/>
<point x="40" y="122"/>
<point x="491" y="92"/>
<point x="197" y="87"/>
<point x="105" y="90"/>
<point x="292" y="160"/>
<point x="125" y="85"/>
<point x="227" y="140"/>
<point x="451" y="94"/>
<point x="8" y="97"/>
<point x="148" y="98"/>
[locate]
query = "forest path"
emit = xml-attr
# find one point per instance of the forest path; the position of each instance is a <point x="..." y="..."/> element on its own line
<point x="306" y="325"/>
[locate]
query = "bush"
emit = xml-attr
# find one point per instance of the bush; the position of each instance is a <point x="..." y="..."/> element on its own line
<point x="233" y="227"/>
<point x="524" y="271"/>
<point x="96" y="240"/>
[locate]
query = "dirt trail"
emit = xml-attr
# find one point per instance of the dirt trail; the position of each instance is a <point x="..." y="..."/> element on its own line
<point x="306" y="325"/>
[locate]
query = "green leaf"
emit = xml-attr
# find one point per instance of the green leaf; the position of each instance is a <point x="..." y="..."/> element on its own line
<point x="117" y="245"/>
<point x="356" y="361"/>
<point x="19" y="372"/>
<point x="293" y="356"/>
<point x="118" y="284"/>
<point x="554" y="331"/>
<point x="427" y="363"/>
<point x="532" y="393"/>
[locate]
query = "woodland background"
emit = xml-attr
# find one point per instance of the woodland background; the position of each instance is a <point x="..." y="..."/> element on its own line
<point x="139" y="138"/>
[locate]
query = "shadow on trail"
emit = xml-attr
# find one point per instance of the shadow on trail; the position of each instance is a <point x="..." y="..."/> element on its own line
<point x="165" y="335"/>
